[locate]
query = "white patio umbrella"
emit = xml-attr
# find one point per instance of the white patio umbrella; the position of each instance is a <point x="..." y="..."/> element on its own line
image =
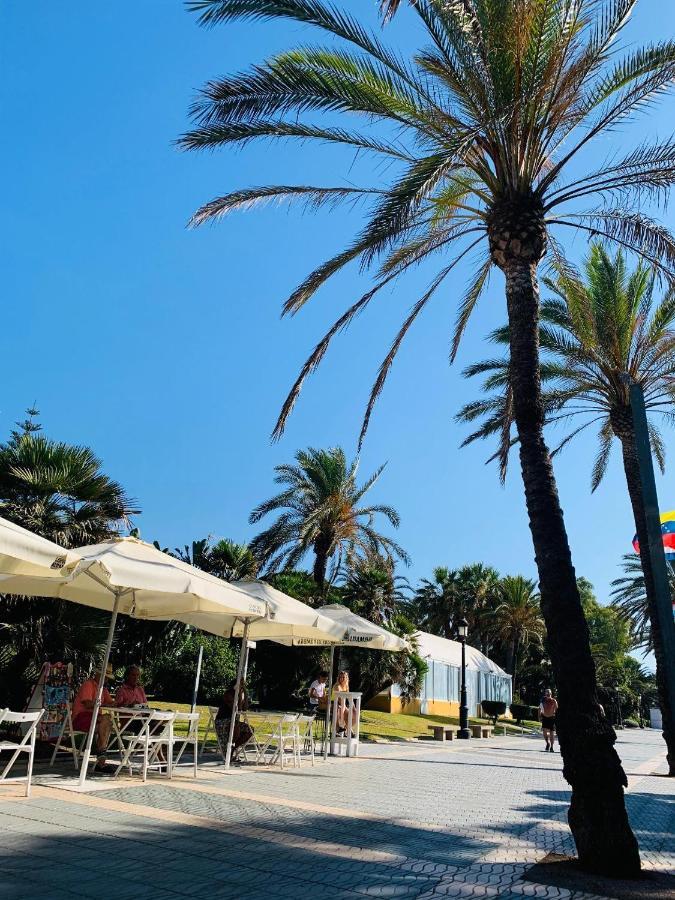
<point x="357" y="632"/>
<point x="126" y="575"/>
<point x="25" y="553"/>
<point x="287" y="621"/>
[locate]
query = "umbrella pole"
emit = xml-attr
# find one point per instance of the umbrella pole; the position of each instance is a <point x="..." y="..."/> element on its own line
<point x="99" y="694"/>
<point x="328" y="704"/>
<point x="198" y="675"/>
<point x="240" y="671"/>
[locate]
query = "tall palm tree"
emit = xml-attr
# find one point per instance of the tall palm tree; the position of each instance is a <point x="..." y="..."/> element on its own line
<point x="517" y="621"/>
<point x="480" y="128"/>
<point x="597" y="329"/>
<point x="321" y="512"/>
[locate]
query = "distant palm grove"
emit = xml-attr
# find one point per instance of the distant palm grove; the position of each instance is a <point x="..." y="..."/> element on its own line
<point x="61" y="492"/>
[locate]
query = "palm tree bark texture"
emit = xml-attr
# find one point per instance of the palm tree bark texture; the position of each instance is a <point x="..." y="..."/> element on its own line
<point x="597" y="814"/>
<point x="622" y="425"/>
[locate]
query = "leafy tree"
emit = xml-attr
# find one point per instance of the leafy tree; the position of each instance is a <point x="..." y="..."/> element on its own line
<point x="481" y="128"/>
<point x="172" y="672"/>
<point x="517" y="620"/>
<point x="321" y="513"/>
<point x="596" y="329"/>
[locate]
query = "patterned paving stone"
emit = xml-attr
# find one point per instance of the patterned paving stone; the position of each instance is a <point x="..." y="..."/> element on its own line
<point x="404" y="821"/>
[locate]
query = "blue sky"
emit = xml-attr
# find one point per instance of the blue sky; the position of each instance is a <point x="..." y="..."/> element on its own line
<point x="163" y="348"/>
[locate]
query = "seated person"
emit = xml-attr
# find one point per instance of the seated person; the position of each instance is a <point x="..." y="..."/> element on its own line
<point x="242" y="730"/>
<point x="83" y="710"/>
<point x="317" y="693"/>
<point x="131" y="692"/>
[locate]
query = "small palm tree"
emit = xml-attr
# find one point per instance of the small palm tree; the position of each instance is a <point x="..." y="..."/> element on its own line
<point x="321" y="513"/>
<point x="482" y="128"/>
<point x="470" y="592"/>
<point x="225" y="559"/>
<point x="59" y="491"/>
<point x="598" y="330"/>
<point x="629" y="597"/>
<point x="517" y="621"/>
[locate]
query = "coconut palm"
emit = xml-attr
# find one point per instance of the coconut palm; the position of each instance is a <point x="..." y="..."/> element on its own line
<point x="597" y="329"/>
<point x="517" y="621"/>
<point x="321" y="512"/>
<point x="225" y="558"/>
<point x="480" y="129"/>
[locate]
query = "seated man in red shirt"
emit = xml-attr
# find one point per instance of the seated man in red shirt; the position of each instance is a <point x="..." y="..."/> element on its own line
<point x="131" y="693"/>
<point x="83" y="710"/>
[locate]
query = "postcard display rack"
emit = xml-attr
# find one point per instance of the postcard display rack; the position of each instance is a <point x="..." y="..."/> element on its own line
<point x="52" y="693"/>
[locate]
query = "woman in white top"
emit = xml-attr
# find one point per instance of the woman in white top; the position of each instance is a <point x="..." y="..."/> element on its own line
<point x="342" y="718"/>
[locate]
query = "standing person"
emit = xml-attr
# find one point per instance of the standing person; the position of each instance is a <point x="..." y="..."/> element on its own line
<point x="83" y="710"/>
<point x="547" y="713"/>
<point x="317" y="693"/>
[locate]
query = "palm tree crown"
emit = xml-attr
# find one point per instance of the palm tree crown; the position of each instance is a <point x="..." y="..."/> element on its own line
<point x="321" y="512"/>
<point x="595" y="331"/>
<point x="487" y="118"/>
<point x="517" y="619"/>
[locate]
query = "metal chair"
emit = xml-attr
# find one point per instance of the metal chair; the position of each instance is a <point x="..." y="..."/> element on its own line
<point x="156" y="733"/>
<point x="306" y="734"/>
<point x="25" y="745"/>
<point x="210" y="726"/>
<point x="192" y="738"/>
<point x="284" y="737"/>
<point x="68" y="733"/>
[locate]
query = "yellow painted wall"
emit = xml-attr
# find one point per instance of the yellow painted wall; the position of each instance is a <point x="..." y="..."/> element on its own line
<point x="384" y="703"/>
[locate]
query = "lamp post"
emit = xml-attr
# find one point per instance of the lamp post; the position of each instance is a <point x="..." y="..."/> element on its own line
<point x="464" y="733"/>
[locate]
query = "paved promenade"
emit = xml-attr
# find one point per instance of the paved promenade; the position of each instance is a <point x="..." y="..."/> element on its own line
<point x="418" y="820"/>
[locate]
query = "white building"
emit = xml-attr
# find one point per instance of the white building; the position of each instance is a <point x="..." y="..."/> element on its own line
<point x="485" y="680"/>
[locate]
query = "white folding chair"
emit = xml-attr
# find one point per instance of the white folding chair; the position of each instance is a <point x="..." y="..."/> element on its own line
<point x="25" y="745"/>
<point x="285" y="737"/>
<point x="306" y="734"/>
<point x="191" y="738"/>
<point x="156" y="734"/>
<point x="210" y="726"/>
<point x="68" y="735"/>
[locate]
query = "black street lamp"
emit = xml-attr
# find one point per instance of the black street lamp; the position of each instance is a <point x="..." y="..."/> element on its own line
<point x="464" y="733"/>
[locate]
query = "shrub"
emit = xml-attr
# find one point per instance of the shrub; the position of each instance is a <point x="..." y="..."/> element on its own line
<point x="631" y="723"/>
<point x="520" y="711"/>
<point x="493" y="709"/>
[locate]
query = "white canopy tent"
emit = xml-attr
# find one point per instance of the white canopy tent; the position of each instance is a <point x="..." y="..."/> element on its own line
<point x="25" y="553"/>
<point x="126" y="575"/>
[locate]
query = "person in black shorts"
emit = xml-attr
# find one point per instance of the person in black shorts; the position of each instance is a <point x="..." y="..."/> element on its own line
<point x="547" y="713"/>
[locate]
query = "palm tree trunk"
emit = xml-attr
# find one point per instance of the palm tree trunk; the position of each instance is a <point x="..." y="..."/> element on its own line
<point x="321" y="551"/>
<point x="623" y="427"/>
<point x="597" y="814"/>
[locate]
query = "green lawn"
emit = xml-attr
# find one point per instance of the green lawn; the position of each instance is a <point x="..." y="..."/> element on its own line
<point x="374" y="725"/>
